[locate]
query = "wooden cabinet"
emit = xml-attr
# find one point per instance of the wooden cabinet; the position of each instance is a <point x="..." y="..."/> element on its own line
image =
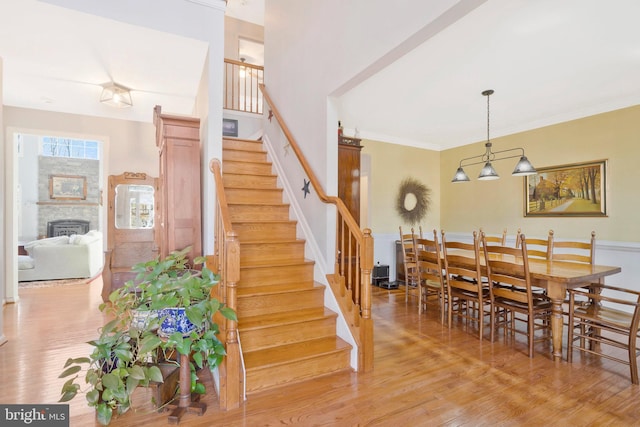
<point x="349" y="174"/>
<point x="179" y="213"/>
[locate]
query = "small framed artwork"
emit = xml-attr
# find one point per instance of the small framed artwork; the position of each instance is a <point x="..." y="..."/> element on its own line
<point x="229" y="127"/>
<point x="67" y="187"/>
<point x="569" y="190"/>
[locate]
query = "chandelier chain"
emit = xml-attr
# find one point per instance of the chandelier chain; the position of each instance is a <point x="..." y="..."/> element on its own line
<point x="488" y="115"/>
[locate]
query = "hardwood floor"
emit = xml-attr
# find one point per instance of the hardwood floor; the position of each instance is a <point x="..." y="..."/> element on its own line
<point x="424" y="374"/>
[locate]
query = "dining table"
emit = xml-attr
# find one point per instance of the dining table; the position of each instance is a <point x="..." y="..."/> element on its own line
<point x="559" y="276"/>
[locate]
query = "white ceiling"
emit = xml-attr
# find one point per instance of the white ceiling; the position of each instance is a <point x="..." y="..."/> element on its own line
<point x="58" y="59"/>
<point x="547" y="60"/>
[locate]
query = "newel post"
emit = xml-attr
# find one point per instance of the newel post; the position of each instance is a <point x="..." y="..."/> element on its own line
<point x="366" y="326"/>
<point x="231" y="377"/>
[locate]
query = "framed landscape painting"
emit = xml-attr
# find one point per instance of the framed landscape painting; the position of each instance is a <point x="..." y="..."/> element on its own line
<point x="569" y="190"/>
<point x="67" y="187"/>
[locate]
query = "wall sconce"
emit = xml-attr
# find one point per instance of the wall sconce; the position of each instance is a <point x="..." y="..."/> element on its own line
<point x="116" y="95"/>
<point x="523" y="168"/>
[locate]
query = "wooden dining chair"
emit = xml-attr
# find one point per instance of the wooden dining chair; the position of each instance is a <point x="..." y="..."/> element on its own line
<point x="537" y="247"/>
<point x="513" y="300"/>
<point x="609" y="320"/>
<point x="408" y="261"/>
<point x="573" y="251"/>
<point x="500" y="240"/>
<point x="463" y="279"/>
<point x="430" y="273"/>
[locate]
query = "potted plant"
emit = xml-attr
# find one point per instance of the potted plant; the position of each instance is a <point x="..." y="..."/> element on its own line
<point x="181" y="294"/>
<point x="120" y="361"/>
<point x="128" y="351"/>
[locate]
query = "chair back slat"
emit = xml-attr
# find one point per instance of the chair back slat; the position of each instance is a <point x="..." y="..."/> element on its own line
<point x="536" y="247"/>
<point x="574" y="251"/>
<point x="500" y="240"/>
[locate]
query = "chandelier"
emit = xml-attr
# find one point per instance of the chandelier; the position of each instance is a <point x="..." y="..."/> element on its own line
<point x="523" y="167"/>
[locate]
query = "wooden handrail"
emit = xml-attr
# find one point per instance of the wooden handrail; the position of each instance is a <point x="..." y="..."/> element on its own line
<point x="354" y="255"/>
<point x="226" y="263"/>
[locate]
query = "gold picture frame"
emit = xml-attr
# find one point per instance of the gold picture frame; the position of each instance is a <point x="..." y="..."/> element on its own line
<point x="577" y="189"/>
<point x="67" y="187"/>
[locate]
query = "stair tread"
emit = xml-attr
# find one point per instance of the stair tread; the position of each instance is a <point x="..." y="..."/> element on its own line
<point x="276" y="263"/>
<point x="272" y="356"/>
<point x="266" y="221"/>
<point x="271" y="242"/>
<point x="236" y="187"/>
<point x="247" y="161"/>
<point x="256" y="203"/>
<point x="245" y="291"/>
<point x="231" y="139"/>
<point x="282" y="318"/>
<point x="243" y="149"/>
<point x="252" y="173"/>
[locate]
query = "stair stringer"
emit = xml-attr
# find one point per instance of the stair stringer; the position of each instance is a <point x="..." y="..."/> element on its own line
<point x="320" y="268"/>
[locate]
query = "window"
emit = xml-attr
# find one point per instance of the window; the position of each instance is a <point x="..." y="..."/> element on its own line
<point x="69" y="147"/>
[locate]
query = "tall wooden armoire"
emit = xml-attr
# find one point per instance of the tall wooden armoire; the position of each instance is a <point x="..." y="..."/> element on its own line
<point x="349" y="174"/>
<point x="179" y="215"/>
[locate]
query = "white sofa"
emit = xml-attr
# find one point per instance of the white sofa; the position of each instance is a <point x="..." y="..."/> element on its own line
<point x="62" y="257"/>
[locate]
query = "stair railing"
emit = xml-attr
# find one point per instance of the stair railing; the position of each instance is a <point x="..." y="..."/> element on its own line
<point x="226" y="263"/>
<point x="241" y="81"/>
<point x="354" y="254"/>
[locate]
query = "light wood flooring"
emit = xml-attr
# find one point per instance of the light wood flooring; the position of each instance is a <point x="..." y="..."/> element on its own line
<point x="424" y="375"/>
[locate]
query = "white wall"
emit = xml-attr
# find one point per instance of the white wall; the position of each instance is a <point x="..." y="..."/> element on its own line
<point x="313" y="54"/>
<point x="27" y="188"/>
<point x="3" y="240"/>
<point x="249" y="125"/>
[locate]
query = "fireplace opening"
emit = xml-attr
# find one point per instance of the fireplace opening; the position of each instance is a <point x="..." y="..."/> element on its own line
<point x="67" y="227"/>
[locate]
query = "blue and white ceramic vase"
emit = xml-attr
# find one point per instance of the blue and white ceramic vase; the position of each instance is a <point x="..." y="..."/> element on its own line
<point x="175" y="320"/>
<point x="141" y="319"/>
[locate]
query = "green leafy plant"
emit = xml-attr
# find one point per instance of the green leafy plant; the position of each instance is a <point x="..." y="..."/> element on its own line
<point x="118" y="363"/>
<point x="126" y="353"/>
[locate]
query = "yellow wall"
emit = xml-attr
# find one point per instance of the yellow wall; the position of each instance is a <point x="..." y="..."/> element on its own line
<point x="390" y="164"/>
<point x="494" y="205"/>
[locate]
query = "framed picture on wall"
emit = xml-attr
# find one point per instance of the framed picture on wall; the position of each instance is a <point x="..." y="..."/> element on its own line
<point x="569" y="190"/>
<point x="67" y="187"/>
<point x="229" y="127"/>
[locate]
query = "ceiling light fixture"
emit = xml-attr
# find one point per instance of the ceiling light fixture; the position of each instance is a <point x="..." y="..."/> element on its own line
<point x="116" y="96"/>
<point x="523" y="168"/>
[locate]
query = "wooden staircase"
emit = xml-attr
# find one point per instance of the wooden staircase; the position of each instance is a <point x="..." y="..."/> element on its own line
<point x="286" y="333"/>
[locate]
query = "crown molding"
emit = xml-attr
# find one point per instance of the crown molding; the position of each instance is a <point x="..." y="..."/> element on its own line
<point x="215" y="4"/>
